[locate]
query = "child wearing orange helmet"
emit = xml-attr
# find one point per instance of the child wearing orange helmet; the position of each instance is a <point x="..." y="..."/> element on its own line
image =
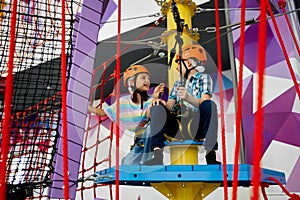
<point x="189" y="112"/>
<point x="134" y="109"/>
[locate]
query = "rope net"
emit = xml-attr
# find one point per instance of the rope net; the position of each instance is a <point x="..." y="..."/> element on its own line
<point x="36" y="97"/>
<point x="36" y="102"/>
<point x="99" y="145"/>
<point x="97" y="152"/>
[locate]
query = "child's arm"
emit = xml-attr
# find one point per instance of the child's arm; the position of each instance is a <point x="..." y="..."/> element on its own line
<point x="183" y="94"/>
<point x="98" y="111"/>
<point x="170" y="103"/>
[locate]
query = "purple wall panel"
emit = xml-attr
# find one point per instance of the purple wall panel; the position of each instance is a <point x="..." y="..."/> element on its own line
<point x="88" y="46"/>
<point x="74" y="150"/>
<point x="90" y="31"/>
<point x="77" y="118"/>
<point x="281" y="122"/>
<point x="294" y="181"/>
<point x="57" y="188"/>
<point x="79" y="88"/>
<point x="81" y="74"/>
<point x="81" y="70"/>
<point x="82" y="57"/>
<point x="76" y="102"/>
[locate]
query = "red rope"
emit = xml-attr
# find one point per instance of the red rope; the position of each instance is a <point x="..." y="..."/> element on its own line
<point x="225" y="184"/>
<point x="7" y="102"/>
<point x="282" y="5"/>
<point x="284" y="50"/>
<point x="239" y="104"/>
<point x="258" y="134"/>
<point x="102" y="84"/>
<point x="64" y="103"/>
<point x="117" y="82"/>
<point x="156" y="23"/>
<point x="263" y="190"/>
<point x="293" y="196"/>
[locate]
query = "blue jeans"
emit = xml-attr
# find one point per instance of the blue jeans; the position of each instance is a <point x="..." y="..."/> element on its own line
<point x="141" y="151"/>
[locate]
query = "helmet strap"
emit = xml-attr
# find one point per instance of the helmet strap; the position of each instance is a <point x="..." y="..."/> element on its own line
<point x="187" y="70"/>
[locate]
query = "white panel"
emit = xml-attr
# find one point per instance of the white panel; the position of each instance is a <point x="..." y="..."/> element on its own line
<point x="276" y="157"/>
<point x="246" y="71"/>
<point x="129" y="9"/>
<point x="273" y="87"/>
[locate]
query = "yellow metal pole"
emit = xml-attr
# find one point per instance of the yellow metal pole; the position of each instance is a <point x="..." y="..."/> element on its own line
<point x="185" y="190"/>
<point x="186" y="9"/>
<point x="186" y="154"/>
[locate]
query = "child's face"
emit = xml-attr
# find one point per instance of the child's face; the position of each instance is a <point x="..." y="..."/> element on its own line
<point x="143" y="82"/>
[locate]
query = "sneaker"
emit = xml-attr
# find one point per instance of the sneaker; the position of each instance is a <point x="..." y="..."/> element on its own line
<point x="211" y="158"/>
<point x="157" y="158"/>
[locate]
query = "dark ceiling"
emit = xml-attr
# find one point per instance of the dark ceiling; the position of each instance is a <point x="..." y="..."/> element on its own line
<point x="158" y="66"/>
<point x="134" y="51"/>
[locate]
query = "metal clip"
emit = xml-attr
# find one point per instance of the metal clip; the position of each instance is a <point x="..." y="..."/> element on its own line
<point x="210" y="29"/>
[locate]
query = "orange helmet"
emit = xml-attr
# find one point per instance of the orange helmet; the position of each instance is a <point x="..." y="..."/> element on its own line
<point x="193" y="51"/>
<point x="132" y="71"/>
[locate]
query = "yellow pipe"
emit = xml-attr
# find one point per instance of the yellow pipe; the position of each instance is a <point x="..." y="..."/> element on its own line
<point x="185" y="190"/>
<point x="184" y="155"/>
<point x="186" y="9"/>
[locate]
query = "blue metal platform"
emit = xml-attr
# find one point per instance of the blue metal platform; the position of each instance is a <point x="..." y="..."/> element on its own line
<point x="141" y="175"/>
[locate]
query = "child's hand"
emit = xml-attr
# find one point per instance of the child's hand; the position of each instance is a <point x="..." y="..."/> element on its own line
<point x="182" y="93"/>
<point x="154" y="103"/>
<point x="158" y="91"/>
<point x="158" y="101"/>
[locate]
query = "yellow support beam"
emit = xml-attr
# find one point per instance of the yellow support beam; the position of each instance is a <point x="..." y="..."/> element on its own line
<point x="186" y="9"/>
<point x="185" y="190"/>
<point x="181" y="154"/>
<point x="184" y="155"/>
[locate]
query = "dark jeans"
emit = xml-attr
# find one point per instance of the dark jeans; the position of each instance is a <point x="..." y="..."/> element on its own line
<point x="140" y="152"/>
<point x="195" y="126"/>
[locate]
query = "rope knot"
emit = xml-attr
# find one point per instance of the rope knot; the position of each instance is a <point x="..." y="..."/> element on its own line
<point x="294" y="197"/>
<point x="281" y="4"/>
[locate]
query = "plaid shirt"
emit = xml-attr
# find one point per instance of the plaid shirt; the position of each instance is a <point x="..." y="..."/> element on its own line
<point x="198" y="84"/>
